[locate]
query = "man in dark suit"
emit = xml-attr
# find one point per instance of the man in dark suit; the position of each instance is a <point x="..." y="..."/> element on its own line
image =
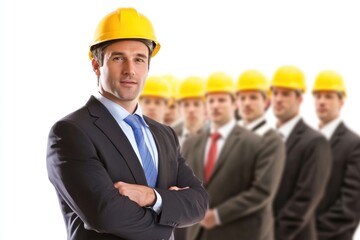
<point x="118" y="174"/>
<point x="308" y="160"/>
<point x="239" y="184"/>
<point x="338" y="213"/>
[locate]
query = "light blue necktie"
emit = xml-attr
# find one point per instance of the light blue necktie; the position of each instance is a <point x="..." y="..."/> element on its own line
<point x="146" y="159"/>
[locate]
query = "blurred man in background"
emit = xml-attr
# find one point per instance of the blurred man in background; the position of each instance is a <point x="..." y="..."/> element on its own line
<point x="339" y="211"/>
<point x="191" y="102"/>
<point x="308" y="160"/>
<point x="154" y="98"/>
<point x="173" y="115"/>
<point x="234" y="165"/>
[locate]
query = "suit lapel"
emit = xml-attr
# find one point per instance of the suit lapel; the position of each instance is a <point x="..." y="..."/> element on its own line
<point x="337" y="135"/>
<point x="199" y="165"/>
<point x="107" y="124"/>
<point x="227" y="148"/>
<point x="295" y="135"/>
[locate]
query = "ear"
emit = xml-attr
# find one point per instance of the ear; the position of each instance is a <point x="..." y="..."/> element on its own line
<point x="301" y="98"/>
<point x="267" y="103"/>
<point x="96" y="67"/>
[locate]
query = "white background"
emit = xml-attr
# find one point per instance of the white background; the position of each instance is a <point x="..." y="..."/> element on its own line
<point x="45" y="72"/>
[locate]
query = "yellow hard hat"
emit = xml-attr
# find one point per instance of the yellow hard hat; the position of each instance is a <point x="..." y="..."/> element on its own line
<point x="125" y="23"/>
<point x="220" y="82"/>
<point x="156" y="86"/>
<point x="329" y="80"/>
<point x="192" y="87"/>
<point x="174" y="85"/>
<point x="289" y="77"/>
<point x="252" y="80"/>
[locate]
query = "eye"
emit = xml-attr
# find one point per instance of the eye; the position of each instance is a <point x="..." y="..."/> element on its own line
<point x="139" y="60"/>
<point x="118" y="58"/>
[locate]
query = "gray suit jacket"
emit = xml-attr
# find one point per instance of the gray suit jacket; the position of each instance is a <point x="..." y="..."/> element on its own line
<point x="339" y="211"/>
<point x="87" y="152"/>
<point x="242" y="186"/>
<point x="307" y="169"/>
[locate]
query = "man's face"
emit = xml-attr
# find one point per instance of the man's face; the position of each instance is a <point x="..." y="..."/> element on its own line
<point x="220" y="108"/>
<point x="285" y="102"/>
<point x="172" y="113"/>
<point x="251" y="105"/>
<point x="328" y="105"/>
<point x="193" y="111"/>
<point x="123" y="74"/>
<point x="154" y="107"/>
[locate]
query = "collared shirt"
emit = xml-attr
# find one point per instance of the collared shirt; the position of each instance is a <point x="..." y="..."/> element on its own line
<point x="329" y="129"/>
<point x="258" y="126"/>
<point x="224" y="132"/>
<point x="119" y="113"/>
<point x="286" y="129"/>
<point x="184" y="135"/>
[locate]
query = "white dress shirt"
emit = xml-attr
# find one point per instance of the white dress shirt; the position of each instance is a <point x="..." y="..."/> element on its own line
<point x="286" y="129"/>
<point x="329" y="129"/>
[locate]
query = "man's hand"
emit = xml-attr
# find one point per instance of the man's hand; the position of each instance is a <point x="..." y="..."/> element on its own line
<point x="209" y="220"/>
<point x="175" y="188"/>
<point x="142" y="195"/>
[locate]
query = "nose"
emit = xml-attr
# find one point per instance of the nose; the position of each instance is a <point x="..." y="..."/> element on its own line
<point x="129" y="68"/>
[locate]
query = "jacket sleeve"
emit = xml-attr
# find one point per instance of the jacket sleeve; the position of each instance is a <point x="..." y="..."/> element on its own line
<point x="310" y="187"/>
<point x="344" y="214"/>
<point x="185" y="207"/>
<point x="82" y="181"/>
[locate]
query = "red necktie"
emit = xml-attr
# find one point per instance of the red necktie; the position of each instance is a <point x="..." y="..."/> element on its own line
<point x="211" y="156"/>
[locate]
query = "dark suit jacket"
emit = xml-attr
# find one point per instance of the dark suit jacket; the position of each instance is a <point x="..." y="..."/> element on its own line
<point x="242" y="186"/>
<point x="307" y="169"/>
<point x="339" y="211"/>
<point x="87" y="152"/>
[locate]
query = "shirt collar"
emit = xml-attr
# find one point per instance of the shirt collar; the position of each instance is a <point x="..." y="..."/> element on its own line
<point x="329" y="129"/>
<point x="287" y="127"/>
<point x="117" y="111"/>
<point x="253" y="124"/>
<point x="226" y="129"/>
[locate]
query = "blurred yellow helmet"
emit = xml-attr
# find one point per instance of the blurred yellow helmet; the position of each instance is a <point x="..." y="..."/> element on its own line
<point x="252" y="80"/>
<point x="289" y="77"/>
<point x="156" y="86"/>
<point x="125" y="23"/>
<point x="329" y="80"/>
<point x="174" y="85"/>
<point x="192" y="87"/>
<point x="220" y="82"/>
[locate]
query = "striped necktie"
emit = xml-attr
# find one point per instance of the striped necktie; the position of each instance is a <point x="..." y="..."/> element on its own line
<point x="146" y="159"/>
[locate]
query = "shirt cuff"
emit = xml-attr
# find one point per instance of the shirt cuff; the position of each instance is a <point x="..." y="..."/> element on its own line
<point x="158" y="203"/>
<point x="217" y="218"/>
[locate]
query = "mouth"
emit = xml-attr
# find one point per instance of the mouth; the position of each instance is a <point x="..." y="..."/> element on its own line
<point x="128" y="82"/>
<point x="247" y="111"/>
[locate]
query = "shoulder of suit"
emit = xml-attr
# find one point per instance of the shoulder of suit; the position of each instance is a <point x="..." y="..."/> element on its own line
<point x="242" y="132"/>
<point x="348" y="133"/>
<point x="272" y="134"/>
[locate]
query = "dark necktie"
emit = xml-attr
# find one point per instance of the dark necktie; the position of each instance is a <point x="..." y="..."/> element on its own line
<point x="146" y="159"/>
<point x="210" y="163"/>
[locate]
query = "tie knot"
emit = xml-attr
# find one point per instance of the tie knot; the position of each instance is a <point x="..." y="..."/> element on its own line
<point x="215" y="136"/>
<point x="133" y="121"/>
